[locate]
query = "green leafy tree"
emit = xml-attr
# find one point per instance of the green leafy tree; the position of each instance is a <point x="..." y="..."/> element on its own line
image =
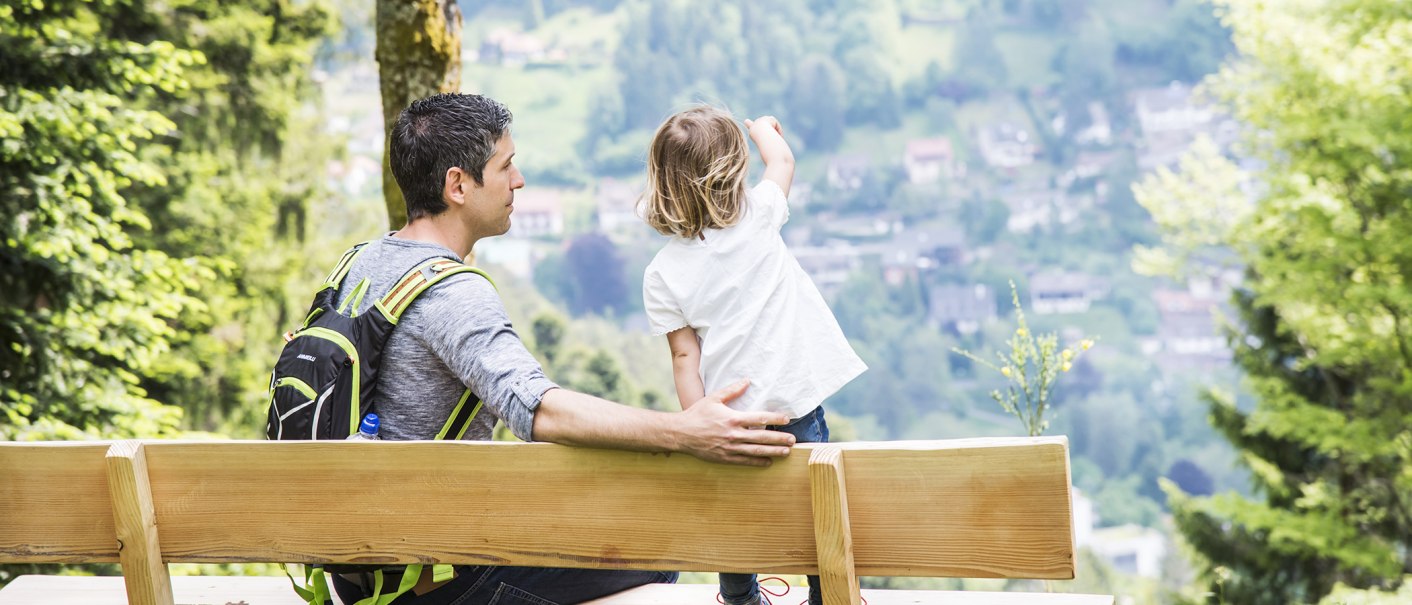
<point x="85" y="310"/>
<point x="243" y="166"/>
<point x="1186" y="44"/>
<point x="1322" y="332"/>
<point x="140" y="134"/>
<point x="595" y="271"/>
<point x="816" y="107"/>
<point x="983" y="70"/>
<point x="548" y="330"/>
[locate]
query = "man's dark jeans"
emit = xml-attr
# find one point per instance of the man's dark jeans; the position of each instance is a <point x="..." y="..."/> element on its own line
<point x="489" y="585"/>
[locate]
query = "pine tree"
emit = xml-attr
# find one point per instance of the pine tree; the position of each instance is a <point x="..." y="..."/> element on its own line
<point x="1322" y="331"/>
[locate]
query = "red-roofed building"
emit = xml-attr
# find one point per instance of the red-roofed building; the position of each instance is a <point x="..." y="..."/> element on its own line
<point x="929" y="160"/>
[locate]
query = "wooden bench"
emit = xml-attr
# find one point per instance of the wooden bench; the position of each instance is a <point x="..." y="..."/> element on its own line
<point x="973" y="508"/>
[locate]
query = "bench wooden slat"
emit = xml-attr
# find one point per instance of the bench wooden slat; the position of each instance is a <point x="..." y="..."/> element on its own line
<point x="973" y="508"/>
<point x="54" y="503"/>
<point x="140" y="550"/>
<point x="964" y="508"/>
<point x="187" y="590"/>
<point x="831" y="529"/>
<point x="701" y="594"/>
<point x="264" y="590"/>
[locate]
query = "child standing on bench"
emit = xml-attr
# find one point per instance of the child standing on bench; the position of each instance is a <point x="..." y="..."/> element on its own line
<point x="731" y="299"/>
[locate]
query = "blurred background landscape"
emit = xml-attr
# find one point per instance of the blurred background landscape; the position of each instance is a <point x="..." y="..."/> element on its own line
<point x="214" y="159"/>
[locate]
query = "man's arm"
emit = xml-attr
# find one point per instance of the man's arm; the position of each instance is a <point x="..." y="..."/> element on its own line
<point x="686" y="365"/>
<point x="774" y="150"/>
<point x="707" y="430"/>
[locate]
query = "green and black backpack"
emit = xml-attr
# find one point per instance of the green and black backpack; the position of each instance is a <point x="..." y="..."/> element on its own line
<point x="323" y="382"/>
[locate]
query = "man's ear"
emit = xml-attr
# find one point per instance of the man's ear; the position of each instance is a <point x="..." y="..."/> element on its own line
<point x="453" y="190"/>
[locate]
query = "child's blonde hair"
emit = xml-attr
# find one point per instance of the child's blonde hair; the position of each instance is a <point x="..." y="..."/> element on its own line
<point x="696" y="173"/>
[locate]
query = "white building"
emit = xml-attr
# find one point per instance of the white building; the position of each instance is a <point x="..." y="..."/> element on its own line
<point x="1005" y="145"/>
<point x="929" y="160"/>
<point x="515" y="256"/>
<point x="1099" y="130"/>
<point x="1170" y="110"/>
<point x="829" y="266"/>
<point x="1131" y="549"/>
<point x="538" y="212"/>
<point x="1084" y="517"/>
<point x="846" y="172"/>
<point x="1030" y="208"/>
<point x="1058" y="292"/>
<point x="616" y="202"/>
<point x="514" y="48"/>
<point x="963" y="309"/>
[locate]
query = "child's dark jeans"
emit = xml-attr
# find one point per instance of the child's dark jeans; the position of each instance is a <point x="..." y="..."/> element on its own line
<point x="741" y="588"/>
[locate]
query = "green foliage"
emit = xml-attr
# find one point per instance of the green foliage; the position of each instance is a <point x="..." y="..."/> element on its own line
<point x="548" y="331"/>
<point x="982" y="69"/>
<point x="813" y="64"/>
<point x="85" y="311"/>
<point x="241" y="178"/>
<point x="595" y="270"/>
<point x="1343" y="595"/>
<point x="1120" y="502"/>
<point x="1188" y="44"/>
<point x="816" y="105"/>
<point x="585" y="368"/>
<point x="144" y="147"/>
<point x="1322" y="332"/>
<point x="1031" y="368"/>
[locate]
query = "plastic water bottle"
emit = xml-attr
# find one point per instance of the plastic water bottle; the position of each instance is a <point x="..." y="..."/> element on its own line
<point x="367" y="430"/>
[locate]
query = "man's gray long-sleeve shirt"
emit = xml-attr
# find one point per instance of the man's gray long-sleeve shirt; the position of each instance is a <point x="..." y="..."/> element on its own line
<point x="455" y="335"/>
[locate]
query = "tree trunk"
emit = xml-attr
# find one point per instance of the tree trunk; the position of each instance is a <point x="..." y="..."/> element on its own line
<point x="418" y="55"/>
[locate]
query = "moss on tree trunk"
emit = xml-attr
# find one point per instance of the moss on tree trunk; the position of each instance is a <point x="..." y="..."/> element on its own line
<point x="418" y="54"/>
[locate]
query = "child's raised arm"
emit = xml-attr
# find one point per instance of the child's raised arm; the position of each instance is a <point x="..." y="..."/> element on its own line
<point x="686" y="365"/>
<point x="774" y="150"/>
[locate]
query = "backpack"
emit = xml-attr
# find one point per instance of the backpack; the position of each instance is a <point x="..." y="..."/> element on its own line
<point x="323" y="381"/>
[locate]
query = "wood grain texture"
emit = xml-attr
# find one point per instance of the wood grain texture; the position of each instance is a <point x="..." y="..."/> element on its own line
<point x="962" y="508"/>
<point x="54" y="503"/>
<point x="832" y="535"/>
<point x="140" y="551"/>
<point x="657" y="594"/>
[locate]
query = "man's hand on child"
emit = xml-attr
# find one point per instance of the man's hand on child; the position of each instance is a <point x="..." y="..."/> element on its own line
<point x="716" y="433"/>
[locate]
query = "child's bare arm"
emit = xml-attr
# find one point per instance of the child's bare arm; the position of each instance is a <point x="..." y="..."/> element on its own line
<point x="686" y="366"/>
<point x="774" y="150"/>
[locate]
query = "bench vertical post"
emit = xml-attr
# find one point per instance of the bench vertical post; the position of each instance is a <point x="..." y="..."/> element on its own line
<point x="832" y="532"/>
<point x="139" y="551"/>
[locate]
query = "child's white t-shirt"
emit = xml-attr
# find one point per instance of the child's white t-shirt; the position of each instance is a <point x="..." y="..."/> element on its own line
<point x="756" y="312"/>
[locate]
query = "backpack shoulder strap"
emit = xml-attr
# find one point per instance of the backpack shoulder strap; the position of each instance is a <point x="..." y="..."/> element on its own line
<point x="340" y="270"/>
<point x="423" y="276"/>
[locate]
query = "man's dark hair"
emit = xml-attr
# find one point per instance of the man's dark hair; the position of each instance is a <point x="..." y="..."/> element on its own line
<point x="436" y="133"/>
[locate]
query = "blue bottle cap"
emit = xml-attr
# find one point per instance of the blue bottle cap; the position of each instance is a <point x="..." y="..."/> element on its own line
<point x="369" y="425"/>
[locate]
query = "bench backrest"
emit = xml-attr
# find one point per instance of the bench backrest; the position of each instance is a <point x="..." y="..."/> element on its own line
<point x="54" y="503"/>
<point x="960" y="508"/>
